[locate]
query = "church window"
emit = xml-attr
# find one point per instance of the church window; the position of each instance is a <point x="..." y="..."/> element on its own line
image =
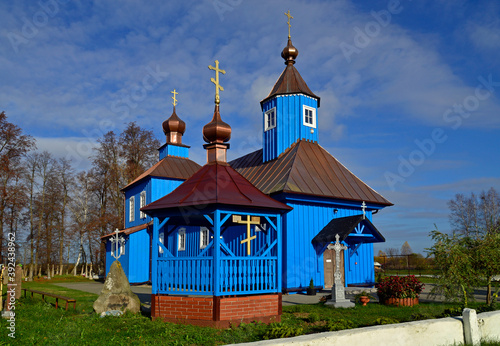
<point x="131" y="205"/>
<point x="181" y="245"/>
<point x="142" y="204"/>
<point x="270" y="119"/>
<point x="203" y="237"/>
<point x="309" y="116"/>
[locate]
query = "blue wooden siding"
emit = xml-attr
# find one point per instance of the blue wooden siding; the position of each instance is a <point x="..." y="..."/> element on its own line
<point x="301" y="262"/>
<point x="139" y="250"/>
<point x="289" y="124"/>
<point x="135" y="191"/>
<point x="172" y="150"/>
<point x="163" y="186"/>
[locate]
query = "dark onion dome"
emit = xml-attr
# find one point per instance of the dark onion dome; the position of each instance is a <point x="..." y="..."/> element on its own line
<point x="216" y="131"/>
<point x="174" y="124"/>
<point x="289" y="53"/>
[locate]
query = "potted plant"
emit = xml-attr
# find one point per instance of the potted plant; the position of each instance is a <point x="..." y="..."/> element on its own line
<point x="399" y="290"/>
<point x="363" y="298"/>
<point x="311" y="291"/>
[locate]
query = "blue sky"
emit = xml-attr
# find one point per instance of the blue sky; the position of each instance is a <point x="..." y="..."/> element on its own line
<point x="409" y="90"/>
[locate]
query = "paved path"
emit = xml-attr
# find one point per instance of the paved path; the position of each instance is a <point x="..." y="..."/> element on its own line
<point x="144" y="293"/>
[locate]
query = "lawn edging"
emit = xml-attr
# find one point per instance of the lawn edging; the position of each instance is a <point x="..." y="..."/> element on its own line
<point x="443" y="331"/>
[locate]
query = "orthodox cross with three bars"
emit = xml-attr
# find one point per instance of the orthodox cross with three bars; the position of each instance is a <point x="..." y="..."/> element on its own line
<point x="288" y="22"/>
<point x="251" y="220"/>
<point x="173" y="97"/>
<point x="363" y="206"/>
<point x="216" y="80"/>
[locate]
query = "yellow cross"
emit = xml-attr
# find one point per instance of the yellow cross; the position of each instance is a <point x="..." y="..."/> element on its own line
<point x="173" y="97"/>
<point x="249" y="221"/>
<point x="216" y="80"/>
<point x="288" y="22"/>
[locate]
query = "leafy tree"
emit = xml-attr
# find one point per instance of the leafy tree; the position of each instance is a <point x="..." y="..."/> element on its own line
<point x="471" y="254"/>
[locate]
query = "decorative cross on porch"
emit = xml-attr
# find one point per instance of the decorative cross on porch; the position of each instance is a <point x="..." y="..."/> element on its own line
<point x="255" y="220"/>
<point x="363" y="206"/>
<point x="118" y="242"/>
<point x="338" y="289"/>
<point x="216" y="80"/>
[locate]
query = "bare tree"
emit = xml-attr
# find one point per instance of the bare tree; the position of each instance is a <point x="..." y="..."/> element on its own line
<point x="13" y="146"/>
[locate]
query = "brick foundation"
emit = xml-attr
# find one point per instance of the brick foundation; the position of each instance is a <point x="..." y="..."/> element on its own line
<point x="216" y="311"/>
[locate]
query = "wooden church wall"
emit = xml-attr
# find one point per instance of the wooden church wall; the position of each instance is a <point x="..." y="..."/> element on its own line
<point x="359" y="267"/>
<point x="300" y="261"/>
<point x="139" y="251"/>
<point x="289" y="124"/>
<point x="135" y="191"/>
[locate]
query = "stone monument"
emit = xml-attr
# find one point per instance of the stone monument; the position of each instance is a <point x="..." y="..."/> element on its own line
<point x="338" y="290"/>
<point x="116" y="294"/>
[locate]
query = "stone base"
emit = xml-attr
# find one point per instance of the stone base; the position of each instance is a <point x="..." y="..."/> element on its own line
<point x="340" y="304"/>
<point x="219" y="312"/>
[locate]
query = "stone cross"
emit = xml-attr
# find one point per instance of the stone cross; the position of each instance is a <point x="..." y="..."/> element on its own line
<point x="216" y="80"/>
<point x="338" y="289"/>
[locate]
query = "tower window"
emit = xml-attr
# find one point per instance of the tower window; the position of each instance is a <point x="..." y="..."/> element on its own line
<point x="142" y="204"/>
<point x="181" y="245"/>
<point x="270" y="119"/>
<point x="309" y="116"/>
<point x="131" y="206"/>
<point x="203" y="237"/>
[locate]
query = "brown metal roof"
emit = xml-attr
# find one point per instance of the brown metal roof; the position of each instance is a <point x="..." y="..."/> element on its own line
<point x="290" y="82"/>
<point x="169" y="167"/>
<point x="215" y="184"/>
<point x="129" y="230"/>
<point x="306" y="168"/>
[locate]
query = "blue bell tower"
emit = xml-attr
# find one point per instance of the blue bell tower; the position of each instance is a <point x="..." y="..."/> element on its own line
<point x="290" y="111"/>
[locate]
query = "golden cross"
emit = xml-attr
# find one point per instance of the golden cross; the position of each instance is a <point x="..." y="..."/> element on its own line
<point x="288" y="22"/>
<point x="216" y="80"/>
<point x="249" y="221"/>
<point x="173" y="97"/>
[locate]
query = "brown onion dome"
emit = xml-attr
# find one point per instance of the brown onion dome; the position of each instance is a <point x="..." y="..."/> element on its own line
<point x="289" y="53"/>
<point x="174" y="124"/>
<point x="216" y="131"/>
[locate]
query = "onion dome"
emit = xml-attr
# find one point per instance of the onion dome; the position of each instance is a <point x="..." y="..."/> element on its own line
<point x="174" y="128"/>
<point x="216" y="131"/>
<point x="289" y="53"/>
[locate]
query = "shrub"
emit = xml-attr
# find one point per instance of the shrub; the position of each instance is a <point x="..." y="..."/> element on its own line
<point x="279" y="331"/>
<point x="385" y="320"/>
<point x="339" y="325"/>
<point x="399" y="287"/>
<point x="313" y="317"/>
<point x="452" y="312"/>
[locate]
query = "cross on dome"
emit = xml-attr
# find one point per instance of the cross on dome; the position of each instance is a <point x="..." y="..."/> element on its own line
<point x="216" y="80"/>
<point x="288" y="22"/>
<point x="173" y="97"/>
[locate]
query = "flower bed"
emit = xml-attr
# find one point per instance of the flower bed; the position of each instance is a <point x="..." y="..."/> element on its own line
<point x="399" y="290"/>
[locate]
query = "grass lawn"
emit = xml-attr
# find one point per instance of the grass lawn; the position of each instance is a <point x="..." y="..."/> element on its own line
<point x="39" y="323"/>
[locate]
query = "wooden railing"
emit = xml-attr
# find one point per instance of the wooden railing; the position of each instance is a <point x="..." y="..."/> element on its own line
<point x="237" y="275"/>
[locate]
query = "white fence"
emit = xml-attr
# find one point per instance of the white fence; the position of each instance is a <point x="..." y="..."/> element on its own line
<point x="470" y="329"/>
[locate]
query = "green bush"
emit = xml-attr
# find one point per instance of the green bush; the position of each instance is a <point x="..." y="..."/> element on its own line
<point x="450" y="312"/>
<point x="279" y="331"/>
<point x="418" y="316"/>
<point x="339" y="325"/>
<point x="385" y="320"/>
<point x="313" y="317"/>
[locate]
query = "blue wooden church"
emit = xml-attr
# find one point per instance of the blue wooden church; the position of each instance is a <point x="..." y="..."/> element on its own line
<point x="232" y="237"/>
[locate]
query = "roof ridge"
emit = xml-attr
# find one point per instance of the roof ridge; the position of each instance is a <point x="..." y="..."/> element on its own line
<point x="369" y="187"/>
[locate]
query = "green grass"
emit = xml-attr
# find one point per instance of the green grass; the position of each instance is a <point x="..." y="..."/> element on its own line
<point x="39" y="323"/>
